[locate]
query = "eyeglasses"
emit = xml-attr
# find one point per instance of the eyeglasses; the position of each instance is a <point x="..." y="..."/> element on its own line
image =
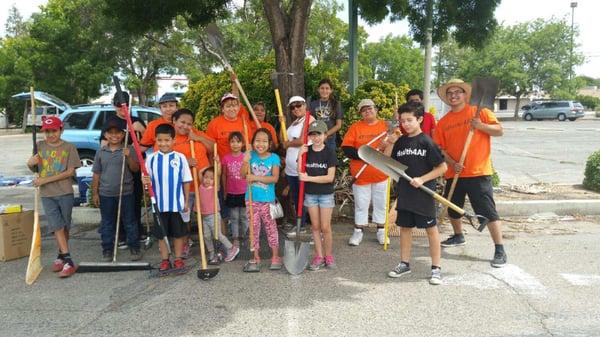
<point x="454" y="93"/>
<point x="295" y="106"/>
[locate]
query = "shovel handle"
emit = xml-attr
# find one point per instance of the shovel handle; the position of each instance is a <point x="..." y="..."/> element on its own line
<point x="436" y="196"/>
<point x="215" y="191"/>
<point x="281" y="116"/>
<point x="243" y="93"/>
<point x="198" y="213"/>
<point x="250" y="210"/>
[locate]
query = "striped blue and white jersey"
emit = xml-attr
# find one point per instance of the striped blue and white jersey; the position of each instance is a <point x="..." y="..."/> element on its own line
<point x="168" y="172"/>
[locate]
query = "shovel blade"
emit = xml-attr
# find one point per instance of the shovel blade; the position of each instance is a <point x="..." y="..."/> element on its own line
<point x="381" y="161"/>
<point x="484" y="92"/>
<point x="207" y="274"/>
<point x="295" y="256"/>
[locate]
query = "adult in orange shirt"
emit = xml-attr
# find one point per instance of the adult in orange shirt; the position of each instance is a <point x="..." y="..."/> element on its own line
<point x="168" y="105"/>
<point x="231" y="119"/>
<point x="261" y="113"/>
<point x="475" y="174"/>
<point x="371" y="184"/>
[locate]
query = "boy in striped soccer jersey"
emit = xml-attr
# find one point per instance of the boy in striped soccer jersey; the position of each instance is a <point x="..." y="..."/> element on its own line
<point x="169" y="173"/>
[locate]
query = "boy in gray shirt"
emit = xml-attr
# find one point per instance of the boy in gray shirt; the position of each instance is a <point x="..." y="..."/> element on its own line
<point x="106" y="187"/>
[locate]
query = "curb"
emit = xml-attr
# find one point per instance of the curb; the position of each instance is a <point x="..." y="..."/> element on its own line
<point x="559" y="207"/>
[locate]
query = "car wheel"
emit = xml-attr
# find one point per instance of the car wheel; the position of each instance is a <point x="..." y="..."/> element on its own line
<point x="86" y="158"/>
<point x="562" y="117"/>
<point x="528" y="117"/>
<point x="572" y="119"/>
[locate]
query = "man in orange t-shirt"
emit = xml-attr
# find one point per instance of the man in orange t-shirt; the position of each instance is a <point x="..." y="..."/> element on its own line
<point x="168" y="106"/>
<point x="475" y="173"/>
<point x="370" y="184"/>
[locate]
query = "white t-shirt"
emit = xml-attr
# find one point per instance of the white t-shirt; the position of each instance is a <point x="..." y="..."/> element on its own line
<point x="294" y="131"/>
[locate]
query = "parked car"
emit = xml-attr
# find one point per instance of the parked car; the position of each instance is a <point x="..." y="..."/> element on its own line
<point x="83" y="125"/>
<point x="561" y="110"/>
<point x="52" y="105"/>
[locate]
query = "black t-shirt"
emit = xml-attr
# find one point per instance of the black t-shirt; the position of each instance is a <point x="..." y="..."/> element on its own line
<point x="317" y="164"/>
<point x="122" y="125"/>
<point x="421" y="156"/>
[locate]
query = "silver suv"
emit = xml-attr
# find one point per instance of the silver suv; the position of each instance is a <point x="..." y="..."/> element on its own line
<point x="561" y="110"/>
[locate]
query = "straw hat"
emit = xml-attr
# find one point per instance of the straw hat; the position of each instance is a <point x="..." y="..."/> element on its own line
<point x="454" y="83"/>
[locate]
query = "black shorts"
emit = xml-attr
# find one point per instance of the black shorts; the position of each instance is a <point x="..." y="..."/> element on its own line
<point x="235" y="200"/>
<point x="481" y="196"/>
<point x="409" y="219"/>
<point x="172" y="223"/>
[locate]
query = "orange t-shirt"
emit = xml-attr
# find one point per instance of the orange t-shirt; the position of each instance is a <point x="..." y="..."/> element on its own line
<point x="182" y="145"/>
<point x="265" y="125"/>
<point x="219" y="129"/>
<point x="360" y="133"/>
<point x="451" y="133"/>
<point x="149" y="137"/>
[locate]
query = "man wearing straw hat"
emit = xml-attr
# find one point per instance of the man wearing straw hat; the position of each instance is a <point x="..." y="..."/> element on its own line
<point x="475" y="174"/>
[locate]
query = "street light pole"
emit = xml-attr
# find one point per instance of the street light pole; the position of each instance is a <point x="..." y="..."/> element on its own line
<point x="573" y="5"/>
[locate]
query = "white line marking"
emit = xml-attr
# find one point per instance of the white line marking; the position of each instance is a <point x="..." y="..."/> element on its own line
<point x="582" y="279"/>
<point x="518" y="279"/>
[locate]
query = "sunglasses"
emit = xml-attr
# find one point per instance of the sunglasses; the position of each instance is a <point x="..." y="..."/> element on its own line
<point x="295" y="106"/>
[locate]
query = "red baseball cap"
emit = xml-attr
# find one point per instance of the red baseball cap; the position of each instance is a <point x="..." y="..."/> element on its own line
<point x="51" y="123"/>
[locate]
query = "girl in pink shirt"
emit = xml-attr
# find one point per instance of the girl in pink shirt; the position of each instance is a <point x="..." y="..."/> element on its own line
<point x="235" y="187"/>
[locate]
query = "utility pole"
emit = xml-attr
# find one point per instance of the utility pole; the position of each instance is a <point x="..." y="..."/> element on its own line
<point x="428" y="47"/>
<point x="573" y="5"/>
<point x="353" y="46"/>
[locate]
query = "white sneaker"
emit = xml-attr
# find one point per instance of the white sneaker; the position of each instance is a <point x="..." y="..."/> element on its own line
<point x="356" y="237"/>
<point x="436" y="277"/>
<point x="381" y="237"/>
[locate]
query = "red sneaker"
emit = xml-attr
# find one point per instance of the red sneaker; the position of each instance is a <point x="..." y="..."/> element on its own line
<point x="164" y="265"/>
<point x="178" y="264"/>
<point x="67" y="270"/>
<point x="58" y="265"/>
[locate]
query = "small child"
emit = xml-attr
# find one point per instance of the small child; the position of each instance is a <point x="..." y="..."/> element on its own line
<point x="261" y="170"/>
<point x="106" y="187"/>
<point x="56" y="162"/>
<point x="209" y="210"/>
<point x="415" y="207"/>
<point x="170" y="175"/>
<point x="235" y="187"/>
<point x="320" y="173"/>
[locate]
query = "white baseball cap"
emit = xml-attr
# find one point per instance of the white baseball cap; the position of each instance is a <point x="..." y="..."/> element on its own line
<point x="295" y="99"/>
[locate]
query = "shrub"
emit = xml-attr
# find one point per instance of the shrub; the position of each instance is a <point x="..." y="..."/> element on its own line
<point x="591" y="179"/>
<point x="590" y="102"/>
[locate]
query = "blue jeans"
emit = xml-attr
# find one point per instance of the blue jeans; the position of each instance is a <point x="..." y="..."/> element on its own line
<point x="294" y="184"/>
<point x="108" y="212"/>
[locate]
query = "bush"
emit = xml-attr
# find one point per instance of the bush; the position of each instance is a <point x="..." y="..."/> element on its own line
<point x="591" y="179"/>
<point x="590" y="102"/>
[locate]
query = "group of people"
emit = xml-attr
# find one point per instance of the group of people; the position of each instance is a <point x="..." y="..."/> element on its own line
<point x="237" y="165"/>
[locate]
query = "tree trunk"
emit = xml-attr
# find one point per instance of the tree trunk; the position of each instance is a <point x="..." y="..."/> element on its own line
<point x="288" y="33"/>
<point x="517" y="103"/>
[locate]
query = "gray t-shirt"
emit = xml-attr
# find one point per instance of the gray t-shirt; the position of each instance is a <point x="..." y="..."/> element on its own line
<point x="55" y="160"/>
<point x="107" y="164"/>
<point x="325" y="111"/>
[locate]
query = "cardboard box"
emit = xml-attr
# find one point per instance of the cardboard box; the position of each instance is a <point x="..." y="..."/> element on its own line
<point x="15" y="235"/>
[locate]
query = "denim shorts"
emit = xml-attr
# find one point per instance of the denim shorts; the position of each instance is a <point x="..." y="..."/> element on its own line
<point x="319" y="200"/>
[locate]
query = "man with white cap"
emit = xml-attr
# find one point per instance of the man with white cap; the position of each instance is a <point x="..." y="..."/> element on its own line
<point x="475" y="174"/>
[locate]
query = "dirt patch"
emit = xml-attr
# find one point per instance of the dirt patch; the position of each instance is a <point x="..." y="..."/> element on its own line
<point x="543" y="192"/>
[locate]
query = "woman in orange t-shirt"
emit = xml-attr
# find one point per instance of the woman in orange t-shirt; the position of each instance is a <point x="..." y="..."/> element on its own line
<point x="261" y="113"/>
<point x="370" y="184"/>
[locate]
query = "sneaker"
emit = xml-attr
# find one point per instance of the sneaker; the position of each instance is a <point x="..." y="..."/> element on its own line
<point x="454" y="240"/>
<point x="178" y="264"/>
<point x="400" y="270"/>
<point x="233" y="252"/>
<point x="164" y="265"/>
<point x="436" y="277"/>
<point x="214" y="261"/>
<point x="135" y="255"/>
<point x="107" y="256"/>
<point x="330" y="262"/>
<point x="185" y="253"/>
<point x="356" y="237"/>
<point x="499" y="260"/>
<point x="381" y="237"/>
<point x="67" y="271"/>
<point x="275" y="263"/>
<point x="58" y="265"/>
<point x="122" y="245"/>
<point x="317" y="263"/>
<point x="143" y="238"/>
<point x="252" y="266"/>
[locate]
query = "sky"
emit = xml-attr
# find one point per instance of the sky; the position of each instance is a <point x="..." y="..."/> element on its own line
<point x="509" y="12"/>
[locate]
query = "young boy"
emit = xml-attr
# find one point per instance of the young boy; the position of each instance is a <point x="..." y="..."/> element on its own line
<point x="169" y="173"/>
<point x="106" y="187"/>
<point x="56" y="161"/>
<point x="416" y="208"/>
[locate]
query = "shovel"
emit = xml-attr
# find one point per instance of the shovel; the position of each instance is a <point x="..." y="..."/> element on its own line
<point x="204" y="273"/>
<point x="395" y="170"/>
<point x="295" y="257"/>
<point x="275" y="82"/>
<point x="483" y="95"/>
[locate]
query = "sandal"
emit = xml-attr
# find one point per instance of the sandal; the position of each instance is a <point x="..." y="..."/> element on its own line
<point x="275" y="263"/>
<point x="252" y="266"/>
